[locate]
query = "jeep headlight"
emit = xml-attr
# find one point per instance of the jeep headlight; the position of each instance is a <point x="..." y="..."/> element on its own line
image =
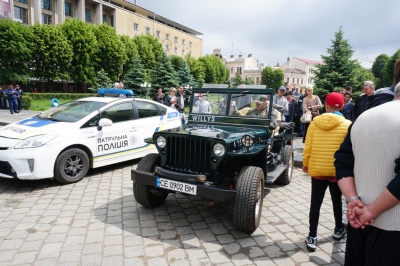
<point x="35" y="142"/>
<point x="247" y="141"/>
<point x="219" y="149"/>
<point x="161" y="141"/>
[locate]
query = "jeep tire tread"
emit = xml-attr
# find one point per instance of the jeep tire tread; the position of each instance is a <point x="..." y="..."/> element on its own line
<point x="287" y="158"/>
<point x="249" y="199"/>
<point x="144" y="194"/>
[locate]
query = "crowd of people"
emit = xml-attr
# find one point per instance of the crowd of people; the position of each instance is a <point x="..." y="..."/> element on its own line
<point x="175" y="100"/>
<point x="354" y="149"/>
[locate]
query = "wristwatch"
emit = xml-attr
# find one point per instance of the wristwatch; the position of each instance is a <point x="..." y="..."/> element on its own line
<point x="351" y="198"/>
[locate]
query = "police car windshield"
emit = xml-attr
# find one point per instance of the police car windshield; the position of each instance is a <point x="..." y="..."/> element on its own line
<point x="71" y="111"/>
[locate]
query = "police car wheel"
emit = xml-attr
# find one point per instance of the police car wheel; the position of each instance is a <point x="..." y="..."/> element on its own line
<point x="71" y="166"/>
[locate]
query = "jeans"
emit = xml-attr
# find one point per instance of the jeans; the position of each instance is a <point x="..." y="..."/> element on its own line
<point x="183" y="117"/>
<point x="13" y="105"/>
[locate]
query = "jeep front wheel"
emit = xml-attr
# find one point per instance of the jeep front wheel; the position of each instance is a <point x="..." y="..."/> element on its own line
<point x="287" y="159"/>
<point x="145" y="195"/>
<point x="249" y="199"/>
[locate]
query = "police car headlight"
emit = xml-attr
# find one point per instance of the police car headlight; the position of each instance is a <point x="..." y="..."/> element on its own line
<point x="219" y="149"/>
<point x="247" y="141"/>
<point x="161" y="141"/>
<point x="35" y="142"/>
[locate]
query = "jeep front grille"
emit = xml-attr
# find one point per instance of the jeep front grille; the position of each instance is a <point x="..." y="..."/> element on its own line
<point x="188" y="154"/>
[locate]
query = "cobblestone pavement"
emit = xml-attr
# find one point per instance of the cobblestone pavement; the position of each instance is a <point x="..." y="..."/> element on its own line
<point x="98" y="222"/>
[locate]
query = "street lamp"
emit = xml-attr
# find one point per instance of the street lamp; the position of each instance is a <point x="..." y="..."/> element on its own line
<point x="146" y="86"/>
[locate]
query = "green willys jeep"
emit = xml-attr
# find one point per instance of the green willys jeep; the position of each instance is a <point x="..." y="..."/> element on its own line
<point x="228" y="150"/>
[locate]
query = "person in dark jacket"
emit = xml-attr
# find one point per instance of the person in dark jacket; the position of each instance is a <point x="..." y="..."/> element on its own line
<point x="19" y="93"/>
<point x="12" y="99"/>
<point x="362" y="101"/>
<point x="348" y="108"/>
<point x="292" y="107"/>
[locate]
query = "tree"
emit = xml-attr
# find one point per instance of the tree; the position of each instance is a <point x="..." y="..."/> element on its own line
<point x="135" y="77"/>
<point x="131" y="53"/>
<point x="249" y="81"/>
<point x="102" y="80"/>
<point x="110" y="54"/>
<point x="237" y="80"/>
<point x="215" y="70"/>
<point x="163" y="74"/>
<point x="149" y="49"/>
<point x="184" y="76"/>
<point x="272" y="78"/>
<point x="15" y="51"/>
<point x="84" y="46"/>
<point x="378" y="69"/>
<point x="176" y="62"/>
<point x="389" y="67"/>
<point x="52" y="54"/>
<point x="197" y="70"/>
<point x="338" y="69"/>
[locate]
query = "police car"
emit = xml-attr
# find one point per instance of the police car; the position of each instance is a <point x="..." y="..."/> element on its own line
<point x="65" y="141"/>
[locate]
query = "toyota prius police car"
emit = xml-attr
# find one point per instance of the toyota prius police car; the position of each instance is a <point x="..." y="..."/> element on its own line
<point x="65" y="141"/>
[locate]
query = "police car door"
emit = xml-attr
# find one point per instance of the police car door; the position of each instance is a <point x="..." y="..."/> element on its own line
<point x="117" y="142"/>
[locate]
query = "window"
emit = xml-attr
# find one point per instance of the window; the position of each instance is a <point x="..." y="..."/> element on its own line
<point x="46" y="4"/>
<point x="158" y="34"/>
<point x="183" y="42"/>
<point x="135" y="26"/>
<point x="119" y="113"/>
<point x="104" y="18"/>
<point x="301" y="81"/>
<point x="68" y="9"/>
<point x="190" y="44"/>
<point x="112" y="21"/>
<point x="176" y="39"/>
<point x="231" y="69"/>
<point x="21" y="15"/>
<point x="167" y="36"/>
<point x="46" y="19"/>
<point x="147" y="30"/>
<point x="166" y="47"/>
<point x="22" y="1"/>
<point x="287" y="80"/>
<point x="88" y="15"/>
<point x="176" y="50"/>
<point x="239" y="70"/>
<point x="297" y="80"/>
<point x="183" y="51"/>
<point x="146" y="109"/>
<point x="293" y="80"/>
<point x="257" y="80"/>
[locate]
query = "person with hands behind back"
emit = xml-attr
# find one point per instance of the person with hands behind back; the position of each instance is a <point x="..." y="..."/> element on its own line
<point x="364" y="170"/>
<point x="325" y="134"/>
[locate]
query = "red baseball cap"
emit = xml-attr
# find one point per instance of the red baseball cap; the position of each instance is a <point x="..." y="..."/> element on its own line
<point x="334" y="99"/>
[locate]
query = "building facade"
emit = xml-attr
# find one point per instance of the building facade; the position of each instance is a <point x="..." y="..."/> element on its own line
<point x="126" y="17"/>
<point x="246" y="66"/>
<point x="298" y="72"/>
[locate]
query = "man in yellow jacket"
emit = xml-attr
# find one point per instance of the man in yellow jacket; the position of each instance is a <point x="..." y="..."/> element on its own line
<point x="325" y="134"/>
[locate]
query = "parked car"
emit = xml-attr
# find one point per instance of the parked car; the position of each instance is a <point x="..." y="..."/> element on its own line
<point x="65" y="141"/>
<point x="227" y="155"/>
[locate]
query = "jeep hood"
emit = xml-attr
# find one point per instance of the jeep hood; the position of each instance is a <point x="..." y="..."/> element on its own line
<point x="222" y="132"/>
<point x="30" y="127"/>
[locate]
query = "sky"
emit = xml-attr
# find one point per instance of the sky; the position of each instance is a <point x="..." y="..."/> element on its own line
<point x="273" y="30"/>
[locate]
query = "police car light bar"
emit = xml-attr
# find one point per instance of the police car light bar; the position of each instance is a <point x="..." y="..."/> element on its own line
<point x="115" y="93"/>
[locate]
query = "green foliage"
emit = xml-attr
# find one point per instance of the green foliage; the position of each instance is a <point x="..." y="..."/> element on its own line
<point x="389" y="67"/>
<point x="59" y="96"/>
<point x="52" y="54"/>
<point x="176" y="62"/>
<point x="215" y="70"/>
<point x="197" y="70"/>
<point x="135" y="77"/>
<point x="237" y="80"/>
<point x="163" y="74"/>
<point x="339" y="69"/>
<point x="84" y="46"/>
<point x="102" y="81"/>
<point x="26" y="102"/>
<point x="110" y="54"/>
<point x="131" y="53"/>
<point x="149" y="49"/>
<point x="184" y="76"/>
<point x="272" y="78"/>
<point x="15" y="51"/>
<point x="378" y="69"/>
<point x="249" y="81"/>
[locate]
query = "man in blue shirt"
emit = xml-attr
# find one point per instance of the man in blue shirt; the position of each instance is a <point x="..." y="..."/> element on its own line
<point x="12" y="99"/>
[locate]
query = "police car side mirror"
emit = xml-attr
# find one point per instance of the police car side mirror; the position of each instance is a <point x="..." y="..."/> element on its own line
<point x="104" y="122"/>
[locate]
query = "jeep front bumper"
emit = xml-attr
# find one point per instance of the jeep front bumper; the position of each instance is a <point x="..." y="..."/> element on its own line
<point x="205" y="191"/>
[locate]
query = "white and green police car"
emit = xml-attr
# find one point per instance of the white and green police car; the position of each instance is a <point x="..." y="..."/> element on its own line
<point x="65" y="141"/>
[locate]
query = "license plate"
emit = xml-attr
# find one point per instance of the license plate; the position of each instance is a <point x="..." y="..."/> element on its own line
<point x="176" y="186"/>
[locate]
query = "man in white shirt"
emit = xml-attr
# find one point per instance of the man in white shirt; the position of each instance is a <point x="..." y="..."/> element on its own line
<point x="204" y="105"/>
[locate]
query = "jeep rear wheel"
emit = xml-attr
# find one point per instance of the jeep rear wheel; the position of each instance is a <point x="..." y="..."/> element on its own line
<point x="249" y="199"/>
<point x="145" y="195"/>
<point x="287" y="159"/>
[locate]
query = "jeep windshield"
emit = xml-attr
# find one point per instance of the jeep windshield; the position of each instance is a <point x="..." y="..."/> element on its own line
<point x="216" y="105"/>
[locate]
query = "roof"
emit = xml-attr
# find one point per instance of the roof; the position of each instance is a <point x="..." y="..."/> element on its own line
<point x="308" y="61"/>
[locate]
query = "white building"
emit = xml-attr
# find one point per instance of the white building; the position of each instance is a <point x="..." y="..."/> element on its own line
<point x="299" y="72"/>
